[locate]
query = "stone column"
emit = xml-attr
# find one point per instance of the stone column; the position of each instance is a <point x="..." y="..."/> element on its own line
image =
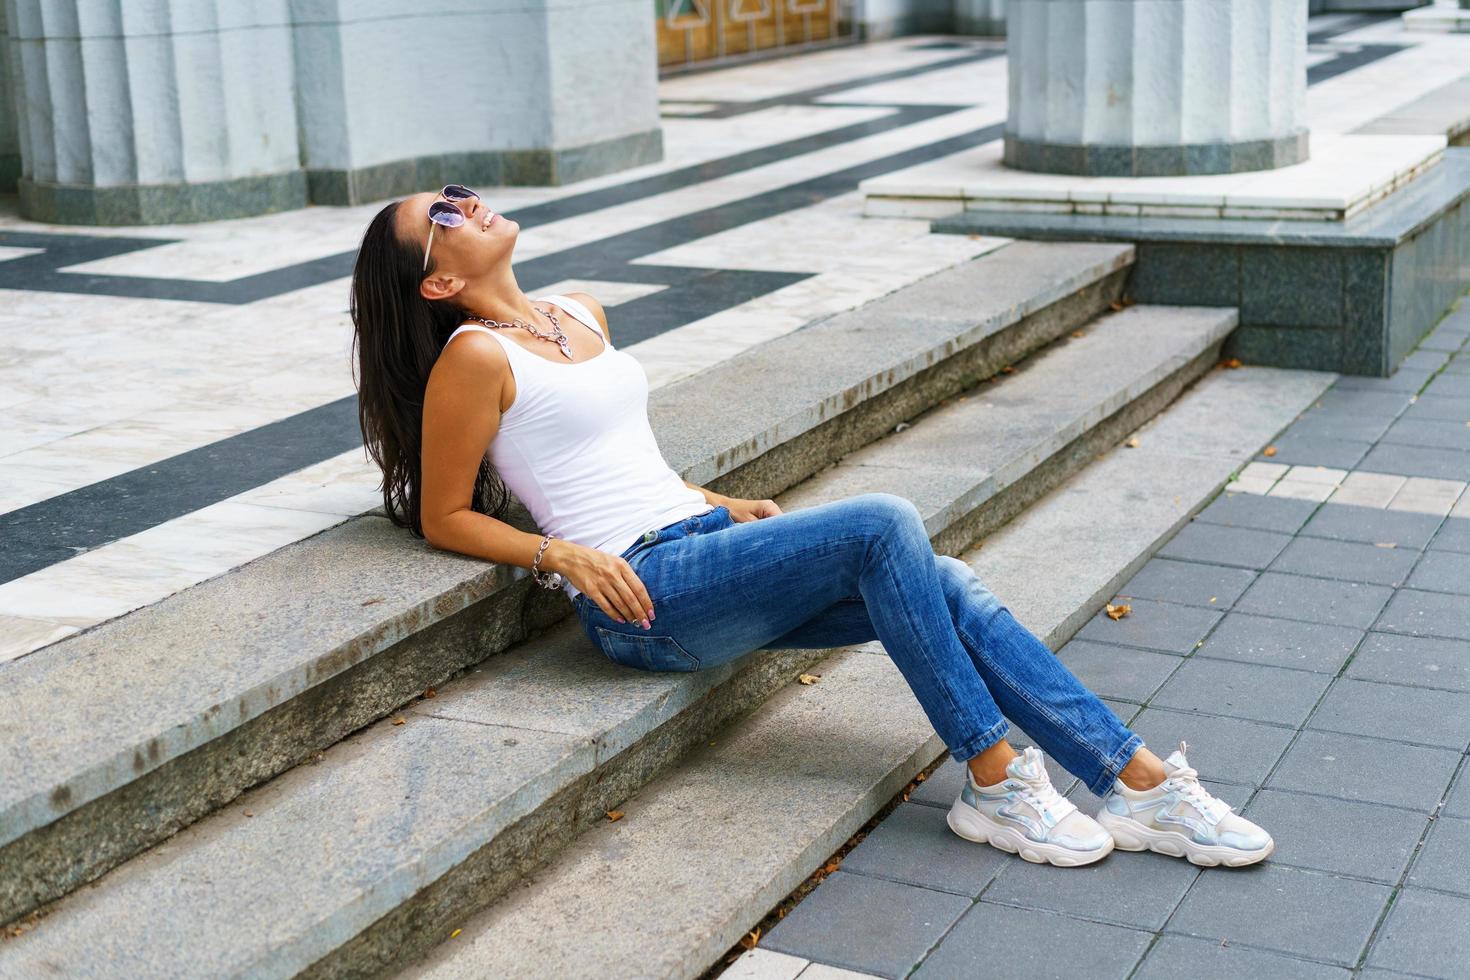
<point x="171" y="110"/>
<point x="411" y="96"/>
<point x="1156" y="87"/>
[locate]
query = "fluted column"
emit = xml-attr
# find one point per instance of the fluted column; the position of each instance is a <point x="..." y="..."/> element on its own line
<point x="1156" y="87"/>
<point x="172" y="110"/>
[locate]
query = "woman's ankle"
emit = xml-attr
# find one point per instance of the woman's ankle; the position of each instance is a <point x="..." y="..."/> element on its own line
<point x="989" y="767"/>
<point x="1143" y="772"/>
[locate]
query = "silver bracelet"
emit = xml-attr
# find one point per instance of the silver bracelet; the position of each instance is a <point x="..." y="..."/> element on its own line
<point x="547" y="581"/>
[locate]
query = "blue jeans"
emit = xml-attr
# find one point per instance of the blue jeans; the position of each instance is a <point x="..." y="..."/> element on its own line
<point x="851" y="571"/>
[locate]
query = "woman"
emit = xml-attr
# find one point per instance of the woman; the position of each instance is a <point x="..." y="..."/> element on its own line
<point x="464" y="378"/>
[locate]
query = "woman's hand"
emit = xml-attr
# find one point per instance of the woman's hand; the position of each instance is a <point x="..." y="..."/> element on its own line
<point x="608" y="580"/>
<point x="742" y="510"/>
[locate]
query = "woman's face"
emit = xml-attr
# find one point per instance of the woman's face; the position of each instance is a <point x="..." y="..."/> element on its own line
<point x="484" y="240"/>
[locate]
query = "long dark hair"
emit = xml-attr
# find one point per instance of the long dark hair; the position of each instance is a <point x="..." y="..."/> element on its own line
<point x="397" y="335"/>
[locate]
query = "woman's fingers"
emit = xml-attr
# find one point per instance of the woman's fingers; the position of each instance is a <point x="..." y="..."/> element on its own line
<point x="626" y="601"/>
<point x="640" y="594"/>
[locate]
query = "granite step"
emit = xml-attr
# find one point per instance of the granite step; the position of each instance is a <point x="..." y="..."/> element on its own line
<point x="705" y="851"/>
<point x="403" y="830"/>
<point x="119" y="736"/>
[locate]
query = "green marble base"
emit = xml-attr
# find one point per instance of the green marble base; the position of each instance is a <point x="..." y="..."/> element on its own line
<point x="160" y="204"/>
<point x="153" y="204"/>
<point x="500" y="168"/>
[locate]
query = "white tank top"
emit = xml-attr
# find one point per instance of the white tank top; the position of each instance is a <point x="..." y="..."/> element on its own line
<point x="576" y="448"/>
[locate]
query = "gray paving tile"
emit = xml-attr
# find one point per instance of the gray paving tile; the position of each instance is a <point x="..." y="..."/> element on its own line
<point x="1442" y="571"/>
<point x="1252" y="691"/>
<point x="1426" y="614"/>
<point x="1453" y="536"/>
<point x="1404" y="379"/>
<point x="1416" y="714"/>
<point x="1437" y="433"/>
<point x="1348" y="522"/>
<point x="1281" y="642"/>
<point x="1449" y="384"/>
<point x="1454" y="408"/>
<point x="1353" y="561"/>
<point x="1426" y="933"/>
<point x="1316" y="600"/>
<point x="1363" y="429"/>
<point x="1311" y="450"/>
<point x="913" y="844"/>
<point x="1221" y="544"/>
<point x="1364" y="840"/>
<point x="1441" y="464"/>
<point x="1254" y="510"/>
<point x="1112" y="671"/>
<point x="1457" y="804"/>
<point x="1423" y="661"/>
<point x="1173" y="957"/>
<point x="1192" y="583"/>
<point x="1444" y="862"/>
<point x="942" y="786"/>
<point x="1302" y="912"/>
<point x="1039" y="945"/>
<point x="1125" y="888"/>
<point x="866" y="924"/>
<point x="1369" y="769"/>
<point x="1165" y="626"/>
<point x="1228" y="749"/>
<point x="1349" y="402"/>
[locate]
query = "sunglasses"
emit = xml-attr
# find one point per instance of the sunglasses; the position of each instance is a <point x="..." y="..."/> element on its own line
<point x="447" y="213"/>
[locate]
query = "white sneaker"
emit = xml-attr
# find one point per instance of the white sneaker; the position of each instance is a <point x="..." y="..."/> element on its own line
<point x="1024" y="814"/>
<point x="1180" y="818"/>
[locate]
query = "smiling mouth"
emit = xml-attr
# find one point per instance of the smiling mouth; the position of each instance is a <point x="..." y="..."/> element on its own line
<point x="486" y="221"/>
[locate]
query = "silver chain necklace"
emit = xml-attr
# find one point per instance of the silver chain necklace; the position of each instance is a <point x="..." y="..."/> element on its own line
<point x="556" y="331"/>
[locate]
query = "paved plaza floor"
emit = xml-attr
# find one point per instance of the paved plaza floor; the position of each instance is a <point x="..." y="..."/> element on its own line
<point x="1308" y="634"/>
<point x="180" y="400"/>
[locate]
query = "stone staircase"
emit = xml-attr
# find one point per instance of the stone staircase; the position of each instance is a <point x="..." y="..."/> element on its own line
<point x="381" y="820"/>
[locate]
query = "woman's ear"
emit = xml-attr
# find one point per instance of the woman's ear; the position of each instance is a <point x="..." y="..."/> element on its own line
<point x="440" y="287"/>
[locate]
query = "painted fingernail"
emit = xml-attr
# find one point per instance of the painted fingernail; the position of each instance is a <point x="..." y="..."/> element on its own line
<point x="646" y="625"/>
<point x="651" y="615"/>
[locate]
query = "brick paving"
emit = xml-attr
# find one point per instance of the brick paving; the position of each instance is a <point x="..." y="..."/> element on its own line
<point x="1309" y="634"/>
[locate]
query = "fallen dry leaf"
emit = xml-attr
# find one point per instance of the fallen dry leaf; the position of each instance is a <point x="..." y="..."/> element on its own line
<point x="614" y="814"/>
<point x="429" y="692"/>
<point x="249" y="813"/>
<point x="1079" y="333"/>
<point x="1230" y="362"/>
<point x="751" y="938"/>
<point x="1132" y="443"/>
<point x="1007" y="370"/>
<point x="809" y="678"/>
<point x="399" y="720"/>
<point x="1118" y="612"/>
<point x="1269" y="451"/>
<point x="1115" y="305"/>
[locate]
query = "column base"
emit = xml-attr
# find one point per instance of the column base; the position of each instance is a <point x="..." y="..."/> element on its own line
<point x="492" y="168"/>
<point x="160" y="204"/>
<point x="1354" y="296"/>
<point x="1100" y="160"/>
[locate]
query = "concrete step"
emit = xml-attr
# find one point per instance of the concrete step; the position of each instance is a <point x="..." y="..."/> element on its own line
<point x="706" y="850"/>
<point x="121" y="735"/>
<point x="404" y="830"/>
